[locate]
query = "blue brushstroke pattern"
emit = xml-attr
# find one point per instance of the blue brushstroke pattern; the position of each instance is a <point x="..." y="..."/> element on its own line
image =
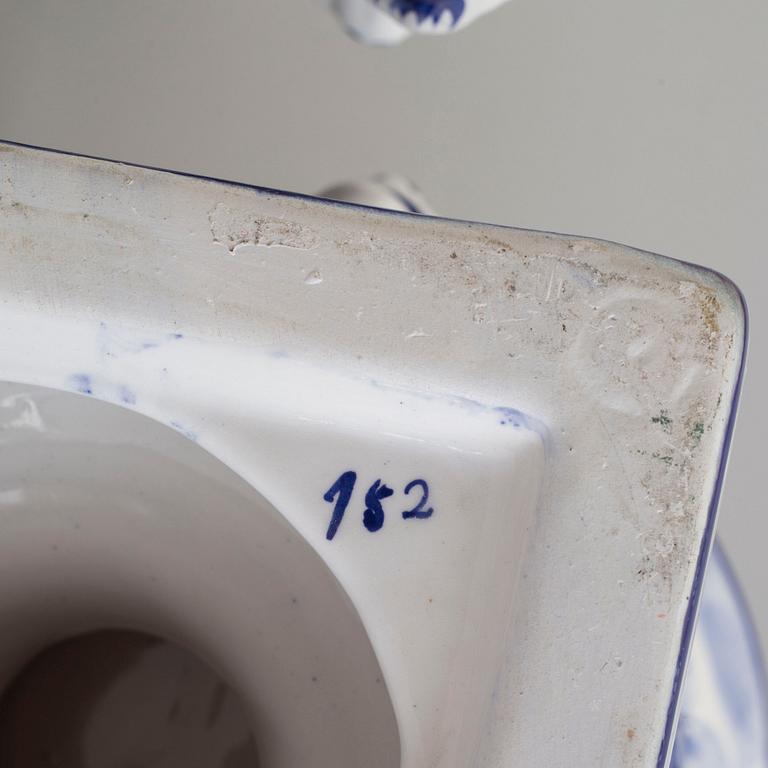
<point x="725" y="665"/>
<point x="81" y="382"/>
<point x="514" y="417"/>
<point x="429" y="9"/>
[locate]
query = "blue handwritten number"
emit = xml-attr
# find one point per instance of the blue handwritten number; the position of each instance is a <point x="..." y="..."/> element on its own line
<point x="373" y="517"/>
<point x="343" y="487"/>
<point x="418" y="511"/>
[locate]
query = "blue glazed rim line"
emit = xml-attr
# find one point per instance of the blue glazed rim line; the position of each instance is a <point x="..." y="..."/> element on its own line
<point x="689" y="623"/>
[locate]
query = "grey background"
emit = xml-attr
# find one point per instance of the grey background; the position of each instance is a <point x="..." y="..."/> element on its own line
<point x="641" y="122"/>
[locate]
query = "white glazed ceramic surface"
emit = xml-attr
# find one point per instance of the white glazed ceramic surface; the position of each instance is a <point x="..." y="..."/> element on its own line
<point x="111" y="520"/>
<point x="564" y="402"/>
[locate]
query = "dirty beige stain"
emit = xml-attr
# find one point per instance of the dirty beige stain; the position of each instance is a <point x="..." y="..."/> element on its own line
<point x="632" y="747"/>
<point x="677" y="491"/>
<point x="62" y="226"/>
<point x="644" y="367"/>
<point x="709" y="307"/>
<point x="233" y="228"/>
<point x="671" y="487"/>
<point x="645" y="373"/>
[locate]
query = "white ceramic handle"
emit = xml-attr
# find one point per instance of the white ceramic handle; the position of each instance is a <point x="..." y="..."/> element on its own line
<point x="388" y="22"/>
